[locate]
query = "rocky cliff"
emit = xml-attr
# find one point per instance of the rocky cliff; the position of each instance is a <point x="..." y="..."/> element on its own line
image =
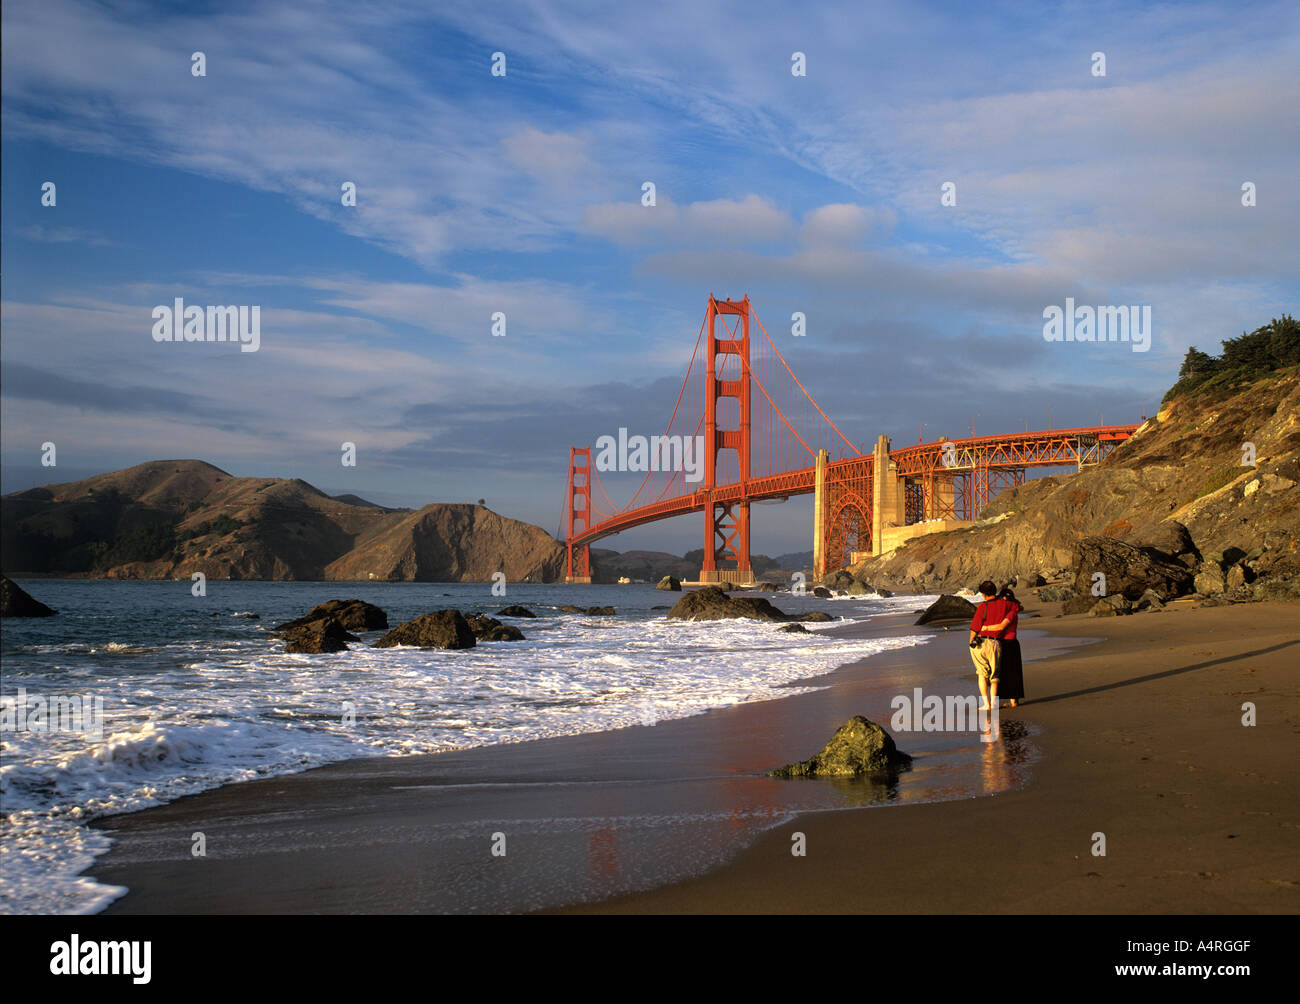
<point x="170" y="518"/>
<point x="1190" y="464"/>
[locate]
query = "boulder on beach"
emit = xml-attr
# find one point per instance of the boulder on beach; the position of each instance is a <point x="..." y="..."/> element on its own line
<point x="325" y="634"/>
<point x="671" y="584"/>
<point x="355" y="615"/>
<point x="17" y="602"/>
<point x="839" y="579"/>
<point x="440" y="629"/>
<point x="815" y="616"/>
<point x="857" y="588"/>
<point x="515" y="611"/>
<point x="947" y="608"/>
<point x="1127" y="569"/>
<point x="793" y="628"/>
<point x="821" y="592"/>
<point x="1115" y="603"/>
<point x="1055" y="594"/>
<point x="1169" y="539"/>
<point x="1030" y="581"/>
<point x="768" y="587"/>
<point x="859" y="746"/>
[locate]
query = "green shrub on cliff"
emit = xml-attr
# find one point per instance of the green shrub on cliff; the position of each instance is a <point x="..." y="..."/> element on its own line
<point x="1272" y="347"/>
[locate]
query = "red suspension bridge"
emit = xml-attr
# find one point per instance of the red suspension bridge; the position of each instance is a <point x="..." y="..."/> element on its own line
<point x="763" y="437"/>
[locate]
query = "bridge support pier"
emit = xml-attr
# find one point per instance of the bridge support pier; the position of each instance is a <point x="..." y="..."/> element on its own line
<point x="578" y="565"/>
<point x="888" y="497"/>
<point x="819" y="517"/>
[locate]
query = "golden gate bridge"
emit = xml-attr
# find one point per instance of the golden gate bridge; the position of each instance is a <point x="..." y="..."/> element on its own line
<point x="766" y="439"/>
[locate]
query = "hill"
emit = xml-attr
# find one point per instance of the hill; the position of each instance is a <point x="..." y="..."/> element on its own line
<point x="170" y="518"/>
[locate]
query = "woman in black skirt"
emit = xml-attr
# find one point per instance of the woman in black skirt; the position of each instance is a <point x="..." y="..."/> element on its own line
<point x="1011" y="677"/>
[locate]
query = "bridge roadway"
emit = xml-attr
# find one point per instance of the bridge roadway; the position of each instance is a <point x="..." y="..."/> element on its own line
<point x="1053" y="448"/>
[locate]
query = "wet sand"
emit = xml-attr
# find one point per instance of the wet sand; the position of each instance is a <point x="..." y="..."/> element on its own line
<point x="1138" y="736"/>
<point x="1142" y="741"/>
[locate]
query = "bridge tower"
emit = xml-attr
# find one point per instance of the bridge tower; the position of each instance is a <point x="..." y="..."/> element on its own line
<point x="579" y="563"/>
<point x="726" y="522"/>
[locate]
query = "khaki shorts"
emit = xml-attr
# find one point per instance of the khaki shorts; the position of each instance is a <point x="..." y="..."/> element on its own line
<point x="988" y="658"/>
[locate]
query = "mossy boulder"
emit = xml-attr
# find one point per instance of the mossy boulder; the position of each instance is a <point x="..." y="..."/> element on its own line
<point x="859" y="746"/>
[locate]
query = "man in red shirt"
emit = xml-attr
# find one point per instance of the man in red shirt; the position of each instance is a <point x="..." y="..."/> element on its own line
<point x="985" y="645"/>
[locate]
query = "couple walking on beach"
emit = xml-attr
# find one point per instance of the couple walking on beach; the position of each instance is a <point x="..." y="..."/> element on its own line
<point x="994" y="648"/>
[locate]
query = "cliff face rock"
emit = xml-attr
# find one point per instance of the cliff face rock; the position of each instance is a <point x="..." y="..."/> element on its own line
<point x="169" y="519"/>
<point x="1184" y="467"/>
<point x="453" y="543"/>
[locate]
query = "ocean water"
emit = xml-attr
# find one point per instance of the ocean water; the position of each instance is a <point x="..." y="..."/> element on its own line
<point x="196" y="693"/>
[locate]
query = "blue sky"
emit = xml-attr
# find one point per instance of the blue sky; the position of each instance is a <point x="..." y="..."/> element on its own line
<point x="521" y="194"/>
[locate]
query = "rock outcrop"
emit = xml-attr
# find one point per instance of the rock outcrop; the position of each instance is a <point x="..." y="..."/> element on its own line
<point x="314" y="637"/>
<point x="710" y="604"/>
<point x="17" y="602"/>
<point x="859" y="746"/>
<point x="670" y="584"/>
<point x="354" y="615"/>
<point x="947" y="608"/>
<point x="1177" y="487"/>
<point x="1128" y="570"/>
<point x="515" y="611"/>
<point x="440" y="629"/>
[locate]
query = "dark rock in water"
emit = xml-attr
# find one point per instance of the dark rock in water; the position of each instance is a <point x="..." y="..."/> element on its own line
<point x="600" y="612"/>
<point x="711" y="604"/>
<point x="947" y="608"/>
<point x="502" y="632"/>
<point x="661" y="608"/>
<point x="768" y="587"/>
<point x="16" y="602"/>
<point x="1055" y="594"/>
<point x="859" y="746"/>
<point x="440" y="629"/>
<point x="883" y="593"/>
<point x="815" y="617"/>
<point x="355" y="615"/>
<point x="515" y="611"/>
<point x="249" y="617"/>
<point x="822" y="592"/>
<point x="481" y="624"/>
<point x="569" y="608"/>
<point x="794" y="628"/>
<point x="326" y="634"/>
<point x="1129" y="570"/>
<point x="670" y="583"/>
<point x="840" y="579"/>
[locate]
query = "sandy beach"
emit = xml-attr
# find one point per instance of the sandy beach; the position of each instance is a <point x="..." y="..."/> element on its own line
<point x="1137" y="736"/>
<point x="1142" y="740"/>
